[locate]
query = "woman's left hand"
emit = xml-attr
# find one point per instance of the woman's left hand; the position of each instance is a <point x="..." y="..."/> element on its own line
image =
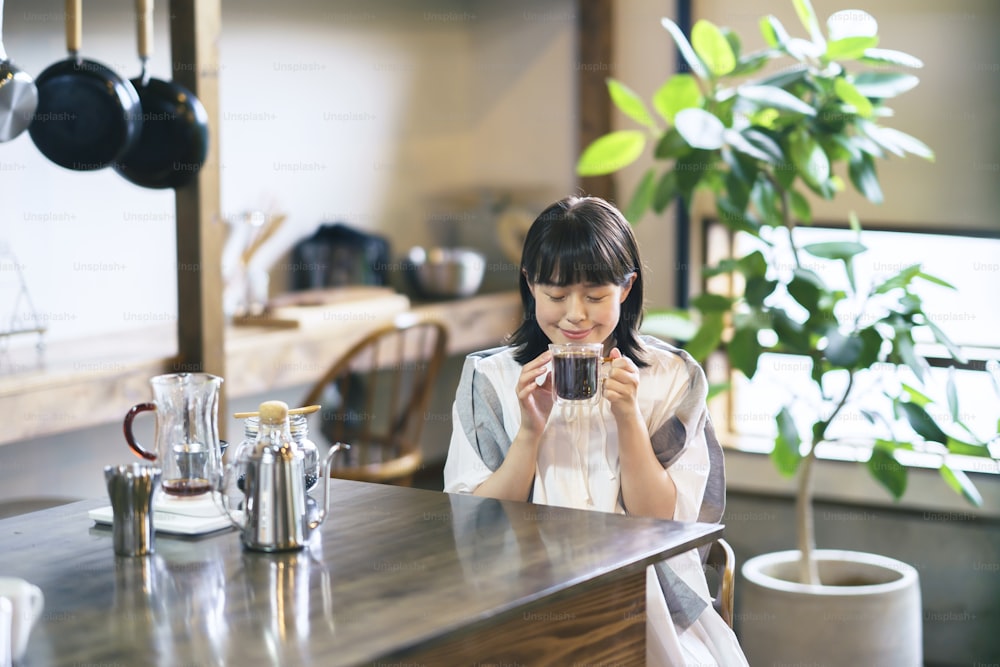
<point x="621" y="386"/>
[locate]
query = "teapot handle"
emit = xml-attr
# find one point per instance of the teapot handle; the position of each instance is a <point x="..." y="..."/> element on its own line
<point x="325" y="471"/>
<point x="222" y="498"/>
<point x="127" y="428"/>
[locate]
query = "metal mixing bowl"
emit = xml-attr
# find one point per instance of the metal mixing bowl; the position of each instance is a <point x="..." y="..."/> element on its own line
<point x="445" y="273"/>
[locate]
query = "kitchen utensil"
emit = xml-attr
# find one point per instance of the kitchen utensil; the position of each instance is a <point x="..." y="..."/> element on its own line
<point x="187" y="434"/>
<point x="87" y="116"/>
<point x="309" y="409"/>
<point x="26" y="602"/>
<point x="18" y="96"/>
<point x="276" y="515"/>
<point x="173" y="141"/>
<point x="131" y="488"/>
<point x="445" y="273"/>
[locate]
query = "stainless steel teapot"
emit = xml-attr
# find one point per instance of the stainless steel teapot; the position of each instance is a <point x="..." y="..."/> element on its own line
<point x="275" y="515"/>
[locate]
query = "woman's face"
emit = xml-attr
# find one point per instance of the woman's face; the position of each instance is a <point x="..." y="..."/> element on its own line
<point x="579" y="313"/>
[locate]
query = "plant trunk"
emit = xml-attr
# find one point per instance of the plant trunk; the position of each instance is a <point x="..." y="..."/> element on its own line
<point x="808" y="572"/>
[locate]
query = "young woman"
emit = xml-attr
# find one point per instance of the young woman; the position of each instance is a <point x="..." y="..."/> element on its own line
<point x="647" y="448"/>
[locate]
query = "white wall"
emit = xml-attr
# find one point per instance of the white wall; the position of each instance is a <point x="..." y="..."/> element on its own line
<point x="330" y="111"/>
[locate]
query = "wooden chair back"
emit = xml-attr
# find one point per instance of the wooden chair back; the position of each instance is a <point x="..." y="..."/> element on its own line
<point x="374" y="398"/>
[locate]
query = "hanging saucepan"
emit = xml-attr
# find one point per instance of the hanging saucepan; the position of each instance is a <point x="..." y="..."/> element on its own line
<point x="174" y="140"/>
<point x="18" y="94"/>
<point x="87" y="115"/>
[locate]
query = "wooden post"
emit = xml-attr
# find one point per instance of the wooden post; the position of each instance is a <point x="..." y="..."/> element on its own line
<point x="594" y="66"/>
<point x="195" y="27"/>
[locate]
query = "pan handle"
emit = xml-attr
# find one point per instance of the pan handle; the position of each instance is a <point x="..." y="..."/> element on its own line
<point x="144" y="18"/>
<point x="144" y="25"/>
<point x="74" y="27"/>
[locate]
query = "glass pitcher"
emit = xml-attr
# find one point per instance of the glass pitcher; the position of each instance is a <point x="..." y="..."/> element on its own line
<point x="187" y="443"/>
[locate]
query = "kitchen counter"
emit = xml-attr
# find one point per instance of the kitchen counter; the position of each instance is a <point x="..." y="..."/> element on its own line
<point x="90" y="382"/>
<point x="394" y="575"/>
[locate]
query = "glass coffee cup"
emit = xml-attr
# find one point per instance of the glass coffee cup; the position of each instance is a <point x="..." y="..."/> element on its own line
<point x="576" y="372"/>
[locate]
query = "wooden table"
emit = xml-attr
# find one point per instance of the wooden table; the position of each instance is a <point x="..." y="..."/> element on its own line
<point x="394" y="576"/>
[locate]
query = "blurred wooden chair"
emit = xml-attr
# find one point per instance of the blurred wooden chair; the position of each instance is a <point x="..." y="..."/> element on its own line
<point x="374" y="398"/>
<point x="721" y="562"/>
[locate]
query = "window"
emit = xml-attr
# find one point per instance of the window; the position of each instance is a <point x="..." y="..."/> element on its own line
<point x="969" y="315"/>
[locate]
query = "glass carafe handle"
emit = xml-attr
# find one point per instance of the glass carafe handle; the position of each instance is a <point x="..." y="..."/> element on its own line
<point x="127" y="428"/>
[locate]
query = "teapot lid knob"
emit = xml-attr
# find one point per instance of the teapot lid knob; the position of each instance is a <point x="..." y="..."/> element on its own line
<point x="273" y="412"/>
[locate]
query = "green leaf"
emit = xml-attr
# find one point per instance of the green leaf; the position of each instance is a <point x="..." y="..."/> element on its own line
<point x="921" y="422"/>
<point x="707" y="302"/>
<point x="842" y="250"/>
<point x="708" y="337"/>
<point x="871" y="341"/>
<point x="669" y="324"/>
<point x="962" y="448"/>
<point x="700" y="128"/>
<point x="753" y="62"/>
<point x="766" y="144"/>
<point x="772" y="96"/>
<point x="886" y="470"/>
<point x="849" y="48"/>
<point x="902" y="345"/>
<point x="666" y="191"/>
<point x="685" y="49"/>
<point x="916" y="396"/>
<point x="786" y="453"/>
<point x="906" y="142"/>
<point x="882" y="85"/>
<point x="940" y="336"/>
<point x="808" y="18"/>
<point x="712" y="48"/>
<point x="848" y="93"/>
<point x="757" y="289"/>
<point x="743" y="145"/>
<point x="843" y="351"/>
<point x="962" y="485"/>
<point x="690" y="170"/>
<point x="671" y="145"/>
<point x="630" y="104"/>
<point x="933" y="279"/>
<point x="791" y="335"/>
<point x="753" y="265"/>
<point x="681" y="91"/>
<point x="898" y="280"/>
<point x="864" y="178"/>
<point x="809" y="159"/>
<point x="642" y="198"/>
<point x="612" y="152"/>
<point x="891" y="57"/>
<point x="773" y="32"/>
<point x="805" y="291"/>
<point x="801" y="208"/>
<point x="744" y="351"/>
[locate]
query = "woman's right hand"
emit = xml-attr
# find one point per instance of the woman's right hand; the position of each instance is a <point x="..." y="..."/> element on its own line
<point x="534" y="393"/>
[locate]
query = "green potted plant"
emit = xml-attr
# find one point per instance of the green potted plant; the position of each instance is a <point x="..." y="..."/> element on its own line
<point x="762" y="141"/>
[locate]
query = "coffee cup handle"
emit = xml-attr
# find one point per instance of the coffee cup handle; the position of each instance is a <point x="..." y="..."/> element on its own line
<point x="127" y="428"/>
<point x="37" y="600"/>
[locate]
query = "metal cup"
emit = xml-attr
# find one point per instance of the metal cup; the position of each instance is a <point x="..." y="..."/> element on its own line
<point x="131" y="487"/>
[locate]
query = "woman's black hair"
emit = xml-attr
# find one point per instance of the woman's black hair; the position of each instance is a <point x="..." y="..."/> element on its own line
<point x="580" y="240"/>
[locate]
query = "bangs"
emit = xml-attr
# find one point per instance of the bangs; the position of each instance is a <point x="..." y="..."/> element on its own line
<point x="570" y="253"/>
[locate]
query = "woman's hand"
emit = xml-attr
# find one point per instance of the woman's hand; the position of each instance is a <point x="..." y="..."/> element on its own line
<point x="534" y="393"/>
<point x="621" y="386"/>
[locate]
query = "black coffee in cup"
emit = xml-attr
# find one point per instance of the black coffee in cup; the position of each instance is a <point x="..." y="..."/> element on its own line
<point x="575" y="375"/>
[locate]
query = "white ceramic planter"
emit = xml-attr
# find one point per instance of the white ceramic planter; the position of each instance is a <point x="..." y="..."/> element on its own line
<point x="866" y="613"/>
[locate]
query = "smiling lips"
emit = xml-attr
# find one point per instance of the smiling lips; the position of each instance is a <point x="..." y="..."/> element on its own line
<point x="576" y="335"/>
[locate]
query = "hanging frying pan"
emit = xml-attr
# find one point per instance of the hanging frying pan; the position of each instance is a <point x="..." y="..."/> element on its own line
<point x="174" y="140"/>
<point x="87" y="116"/>
<point x="18" y="94"/>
